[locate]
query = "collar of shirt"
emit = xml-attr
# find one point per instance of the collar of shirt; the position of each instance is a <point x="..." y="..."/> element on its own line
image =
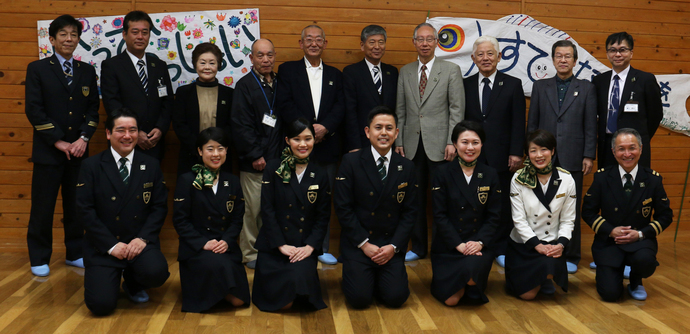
<point x="62" y="60"/>
<point x="633" y="172"/>
<point x="263" y="79"/>
<point x="313" y="68"/>
<point x="621" y="83"/>
<point x="562" y="82"/>
<point x="135" y="60"/>
<point x="376" y="155"/>
<point x="492" y="79"/>
<point x="117" y="156"/>
<point x="429" y="65"/>
<point x="371" y="69"/>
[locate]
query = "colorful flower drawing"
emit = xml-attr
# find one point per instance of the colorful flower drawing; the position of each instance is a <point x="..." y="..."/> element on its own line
<point x="118" y="22"/>
<point x="198" y="33"/>
<point x="93" y="63"/>
<point x="188" y="33"/>
<point x="246" y="50"/>
<point x="76" y="57"/>
<point x="244" y="70"/>
<point x="84" y="24"/>
<point x="188" y="19"/>
<point x="189" y="46"/>
<point x="163" y="43"/>
<point x="44" y="50"/>
<point x="234" y="21"/>
<point x="112" y="40"/>
<point x="95" y="42"/>
<point x="169" y="23"/>
<point x="221" y="17"/>
<point x="237" y="32"/>
<point x="228" y="81"/>
<point x="212" y="40"/>
<point x="181" y="26"/>
<point x="97" y="29"/>
<point x="43" y="33"/>
<point x="254" y="16"/>
<point x="209" y="24"/>
<point x="235" y="44"/>
<point x="172" y="55"/>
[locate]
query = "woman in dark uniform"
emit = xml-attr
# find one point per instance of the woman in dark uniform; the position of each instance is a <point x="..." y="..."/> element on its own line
<point x="200" y="105"/>
<point x="295" y="209"/>
<point x="209" y="207"/>
<point x="466" y="203"/>
<point x="543" y="209"/>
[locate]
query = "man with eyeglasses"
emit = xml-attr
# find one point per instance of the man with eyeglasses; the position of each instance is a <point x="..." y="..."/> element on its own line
<point x="567" y="107"/>
<point x="311" y="89"/>
<point x="430" y="102"/>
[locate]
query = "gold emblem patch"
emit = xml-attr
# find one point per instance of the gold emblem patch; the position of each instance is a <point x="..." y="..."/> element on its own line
<point x="401" y="196"/>
<point x="311" y="196"/>
<point x="147" y="197"/>
<point x="646" y="210"/>
<point x="230" y="205"/>
<point x="85" y="90"/>
<point x="483" y="197"/>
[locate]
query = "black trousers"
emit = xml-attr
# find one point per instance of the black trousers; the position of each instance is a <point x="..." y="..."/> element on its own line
<point x="505" y="223"/>
<point x="45" y="183"/>
<point x="609" y="279"/>
<point x="425" y="170"/>
<point x="573" y="251"/>
<point x="362" y="280"/>
<point x="102" y="283"/>
<point x="331" y="169"/>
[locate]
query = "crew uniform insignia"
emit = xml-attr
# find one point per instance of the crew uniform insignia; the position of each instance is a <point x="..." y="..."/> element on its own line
<point x="142" y="167"/>
<point x="148" y="185"/>
<point x="647" y="201"/>
<point x="560" y="195"/>
<point x="311" y="174"/>
<point x="573" y="196"/>
<point x="226" y="183"/>
<point x="480" y="175"/>
<point x="400" y="168"/>
<point x="402" y="185"/>
<point x="483" y="197"/>
<point x="641" y="184"/>
<point x="311" y="196"/>
<point x="147" y="197"/>
<point x="646" y="210"/>
<point x="513" y="194"/>
<point x="93" y="124"/>
<point x="401" y="196"/>
<point x="314" y="187"/>
<point x="178" y="199"/>
<point x="486" y="188"/>
<point x="80" y="184"/>
<point x="339" y="178"/>
<point x="265" y="182"/>
<point x="230" y="205"/>
<point x="435" y="188"/>
<point x="85" y="90"/>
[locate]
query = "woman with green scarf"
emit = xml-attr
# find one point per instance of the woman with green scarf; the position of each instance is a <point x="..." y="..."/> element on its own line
<point x="543" y="209"/>
<point x="208" y="211"/>
<point x="295" y="210"/>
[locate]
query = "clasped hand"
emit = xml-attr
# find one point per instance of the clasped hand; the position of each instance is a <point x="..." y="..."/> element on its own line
<point x="296" y="254"/>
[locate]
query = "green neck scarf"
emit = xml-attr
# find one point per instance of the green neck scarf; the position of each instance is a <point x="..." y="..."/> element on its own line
<point x="287" y="164"/>
<point x="467" y="164"/>
<point x="204" y="176"/>
<point x="528" y="175"/>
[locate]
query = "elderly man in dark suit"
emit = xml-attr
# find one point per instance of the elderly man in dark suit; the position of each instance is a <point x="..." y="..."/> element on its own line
<point x="627" y="207"/>
<point x="497" y="101"/>
<point x="368" y="83"/>
<point x="311" y="89"/>
<point x="141" y="83"/>
<point x="375" y="200"/>
<point x="122" y="200"/>
<point x="62" y="106"/>
<point x="566" y="107"/>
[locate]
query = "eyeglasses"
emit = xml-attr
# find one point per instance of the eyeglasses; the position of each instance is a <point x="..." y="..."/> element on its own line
<point x="308" y="41"/>
<point x="613" y="51"/>
<point x="429" y="40"/>
<point x="566" y="56"/>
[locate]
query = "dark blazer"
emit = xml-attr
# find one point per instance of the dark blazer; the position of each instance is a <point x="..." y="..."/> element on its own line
<point x="58" y="111"/>
<point x="186" y="122"/>
<point x="361" y="96"/>
<point x="201" y="215"/>
<point x="368" y="208"/>
<point x="120" y="87"/>
<point x="645" y="90"/>
<point x="112" y="212"/>
<point x="573" y="124"/>
<point x="504" y="122"/>
<point x="294" y="101"/>
<point x="294" y="214"/>
<point x="464" y="212"/>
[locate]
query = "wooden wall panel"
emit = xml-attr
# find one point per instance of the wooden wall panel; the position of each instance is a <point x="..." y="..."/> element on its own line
<point x="660" y="29"/>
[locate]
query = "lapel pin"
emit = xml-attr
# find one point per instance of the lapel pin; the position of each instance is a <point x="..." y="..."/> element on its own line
<point x="435" y="79"/>
<point x="575" y="94"/>
<point x="51" y="63"/>
<point x="226" y="184"/>
<point x="555" y="182"/>
<point x="388" y="73"/>
<point x="312" y="175"/>
<point x="330" y="83"/>
<point x="500" y="83"/>
<point x="142" y="167"/>
<point x="641" y="184"/>
<point x="153" y="64"/>
<point x="222" y="101"/>
<point x="480" y="175"/>
<point x="400" y="168"/>
<point x="633" y="79"/>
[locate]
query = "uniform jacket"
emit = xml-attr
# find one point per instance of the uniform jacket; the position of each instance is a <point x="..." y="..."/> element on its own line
<point x="295" y="214"/>
<point x="368" y="208"/>
<point x="361" y="96"/>
<point x="503" y="122"/>
<point x="464" y="212"/>
<point x="294" y="101"/>
<point x="58" y="111"/>
<point x="605" y="207"/>
<point x="112" y="212"/>
<point x="201" y="215"/>
<point x="534" y="221"/>
<point x="434" y="115"/>
<point x="573" y="124"/>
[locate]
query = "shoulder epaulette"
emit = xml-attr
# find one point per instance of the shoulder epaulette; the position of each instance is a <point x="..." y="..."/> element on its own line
<point x="655" y="173"/>
<point x="560" y="169"/>
<point x="600" y="170"/>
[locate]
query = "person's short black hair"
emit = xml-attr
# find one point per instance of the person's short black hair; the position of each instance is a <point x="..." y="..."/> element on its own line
<point x="136" y="16"/>
<point x="381" y="110"/>
<point x="294" y="128"/>
<point x="542" y="138"/>
<point x="64" y="21"/>
<point x="213" y="133"/>
<point x="204" y="48"/>
<point x="117" y="113"/>
<point x="563" y="43"/>
<point x="372" y="30"/>
<point x="626" y="131"/>
<point x="618" y="38"/>
<point x="467" y="125"/>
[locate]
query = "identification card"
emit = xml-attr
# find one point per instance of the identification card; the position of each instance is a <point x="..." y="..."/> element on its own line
<point x="631" y="106"/>
<point x="162" y="91"/>
<point x="269" y="120"/>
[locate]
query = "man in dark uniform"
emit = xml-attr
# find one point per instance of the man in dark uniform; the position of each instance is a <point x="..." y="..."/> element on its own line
<point x="375" y="200"/>
<point x="122" y="200"/>
<point x="62" y="106"/>
<point x="619" y="207"/>
<point x="141" y="83"/>
<point x="256" y="126"/>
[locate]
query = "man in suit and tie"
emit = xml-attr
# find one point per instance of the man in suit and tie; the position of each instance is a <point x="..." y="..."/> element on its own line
<point x="368" y="83"/>
<point x="627" y="207"/>
<point x="141" y="83"/>
<point x="62" y="106"/>
<point x="375" y="200"/>
<point x="311" y="89"/>
<point x="430" y="103"/>
<point x="567" y="107"/>
<point x="122" y="200"/>
<point x="497" y="101"/>
<point x="626" y="98"/>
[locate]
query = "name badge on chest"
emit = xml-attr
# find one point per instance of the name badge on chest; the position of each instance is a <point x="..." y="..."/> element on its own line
<point x="162" y="90"/>
<point x="631" y="106"/>
<point x="269" y="120"/>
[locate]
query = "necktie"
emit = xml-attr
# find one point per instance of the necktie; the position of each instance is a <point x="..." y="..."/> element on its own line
<point x="612" y="123"/>
<point x="382" y="168"/>
<point x="68" y="72"/>
<point x="628" y="185"/>
<point x="422" y="82"/>
<point x="486" y="95"/>
<point x="124" y="173"/>
<point x="142" y="74"/>
<point x="377" y="79"/>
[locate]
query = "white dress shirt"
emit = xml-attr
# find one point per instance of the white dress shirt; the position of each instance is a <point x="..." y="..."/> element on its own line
<point x="371" y="71"/>
<point x="135" y="60"/>
<point x="492" y="79"/>
<point x="633" y="172"/>
<point x="429" y="65"/>
<point x="315" y="75"/>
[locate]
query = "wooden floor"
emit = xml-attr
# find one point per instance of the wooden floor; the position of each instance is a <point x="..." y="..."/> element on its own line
<point x="55" y="304"/>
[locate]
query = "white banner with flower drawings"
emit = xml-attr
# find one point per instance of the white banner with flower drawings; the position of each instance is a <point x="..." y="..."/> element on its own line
<point x="173" y="38"/>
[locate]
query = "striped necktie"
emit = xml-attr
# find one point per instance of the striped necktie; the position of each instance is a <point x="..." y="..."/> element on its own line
<point x="124" y="173"/>
<point x="382" y="168"/>
<point x="422" y="82"/>
<point x="628" y="185"/>
<point x="68" y="72"/>
<point x="142" y="75"/>
<point x="377" y="79"/>
<point x="612" y="122"/>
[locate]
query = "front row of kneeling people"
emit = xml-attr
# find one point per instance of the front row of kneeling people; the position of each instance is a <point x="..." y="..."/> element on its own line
<point x="375" y="199"/>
